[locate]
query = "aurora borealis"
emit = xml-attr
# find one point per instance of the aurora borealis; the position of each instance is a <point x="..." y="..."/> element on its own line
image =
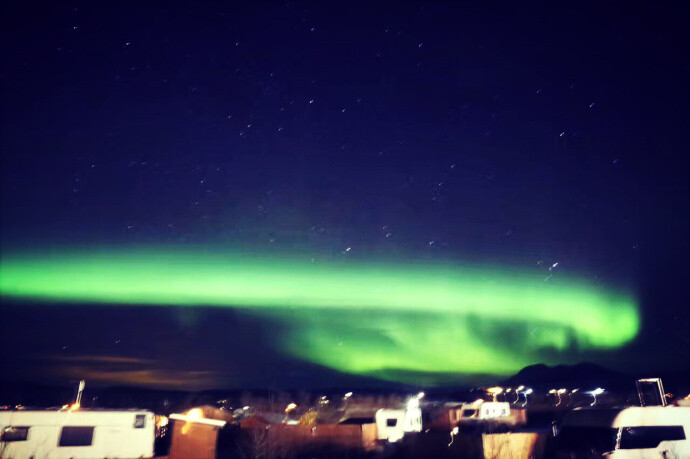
<point x="369" y="318"/>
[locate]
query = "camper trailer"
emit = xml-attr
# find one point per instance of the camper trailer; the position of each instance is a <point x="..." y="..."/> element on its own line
<point x="76" y="434"/>
<point x="639" y="432"/>
<point x="392" y="425"/>
<point x="481" y="413"/>
<point x="485" y="411"/>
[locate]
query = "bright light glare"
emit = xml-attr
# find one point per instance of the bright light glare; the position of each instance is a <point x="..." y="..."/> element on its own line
<point x="413" y="403"/>
<point x="195" y="413"/>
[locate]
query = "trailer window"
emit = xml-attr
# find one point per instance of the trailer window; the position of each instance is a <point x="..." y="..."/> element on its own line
<point x="600" y="439"/>
<point x="76" y="436"/>
<point x="140" y="421"/>
<point x="649" y="436"/>
<point x="468" y="413"/>
<point x="391" y="422"/>
<point x="14" y="433"/>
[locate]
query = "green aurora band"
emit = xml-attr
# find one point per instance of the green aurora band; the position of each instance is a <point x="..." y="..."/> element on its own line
<point x="403" y="322"/>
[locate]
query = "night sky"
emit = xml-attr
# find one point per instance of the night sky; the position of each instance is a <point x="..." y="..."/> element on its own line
<point x="296" y="194"/>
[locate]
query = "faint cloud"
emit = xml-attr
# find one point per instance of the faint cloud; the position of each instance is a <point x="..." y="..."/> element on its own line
<point x="124" y="370"/>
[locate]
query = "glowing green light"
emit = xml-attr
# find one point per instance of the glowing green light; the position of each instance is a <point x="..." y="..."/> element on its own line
<point x="381" y="319"/>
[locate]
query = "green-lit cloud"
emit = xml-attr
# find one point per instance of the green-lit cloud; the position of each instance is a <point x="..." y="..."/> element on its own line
<point x="381" y="319"/>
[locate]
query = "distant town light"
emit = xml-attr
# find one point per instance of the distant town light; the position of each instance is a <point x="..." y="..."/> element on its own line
<point x="558" y="394"/>
<point x="290" y="407"/>
<point x="594" y="393"/>
<point x="495" y="391"/>
<point x="348" y="395"/>
<point x="453" y="433"/>
<point x="526" y="393"/>
<point x="517" y="393"/>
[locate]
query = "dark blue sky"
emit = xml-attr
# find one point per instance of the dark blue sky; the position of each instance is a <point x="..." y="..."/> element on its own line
<point x="505" y="133"/>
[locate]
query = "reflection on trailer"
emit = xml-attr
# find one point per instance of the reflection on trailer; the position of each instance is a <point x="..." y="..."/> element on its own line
<point x="638" y="432"/>
<point x="76" y="434"/>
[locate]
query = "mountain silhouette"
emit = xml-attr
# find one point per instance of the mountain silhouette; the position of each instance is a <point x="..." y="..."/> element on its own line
<point x="584" y="375"/>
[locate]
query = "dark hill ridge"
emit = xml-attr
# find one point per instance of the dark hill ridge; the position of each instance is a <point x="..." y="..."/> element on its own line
<point x="541" y="377"/>
<point x="587" y="376"/>
<point x="584" y="375"/>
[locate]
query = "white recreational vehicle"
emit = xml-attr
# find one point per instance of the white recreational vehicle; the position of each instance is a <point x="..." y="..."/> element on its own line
<point x="485" y="411"/>
<point x="635" y="432"/>
<point x="76" y="434"/>
<point x="392" y="425"/>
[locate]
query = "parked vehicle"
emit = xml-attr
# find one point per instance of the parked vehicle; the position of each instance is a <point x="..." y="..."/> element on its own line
<point x="485" y="411"/>
<point x="392" y="425"/>
<point x="639" y="432"/>
<point x="76" y="434"/>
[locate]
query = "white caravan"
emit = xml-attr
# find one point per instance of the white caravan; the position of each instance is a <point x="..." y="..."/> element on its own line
<point x="76" y="434"/>
<point x="485" y="411"/>
<point x="392" y="425"/>
<point x="635" y="432"/>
